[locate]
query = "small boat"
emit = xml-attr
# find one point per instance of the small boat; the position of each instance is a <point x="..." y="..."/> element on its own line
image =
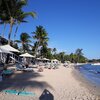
<point x="95" y="64"/>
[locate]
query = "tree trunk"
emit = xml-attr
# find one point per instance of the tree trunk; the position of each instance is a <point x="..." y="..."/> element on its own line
<point x="15" y="32"/>
<point x="11" y="26"/>
<point x="23" y="47"/>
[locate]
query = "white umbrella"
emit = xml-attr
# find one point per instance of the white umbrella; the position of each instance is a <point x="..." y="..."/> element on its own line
<point x="55" y="60"/>
<point x="42" y="59"/>
<point x="9" y="48"/>
<point x="38" y="58"/>
<point x="27" y="55"/>
<point x="45" y="59"/>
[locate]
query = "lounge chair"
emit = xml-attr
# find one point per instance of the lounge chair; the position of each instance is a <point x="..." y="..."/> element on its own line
<point x="21" y="67"/>
<point x="7" y="72"/>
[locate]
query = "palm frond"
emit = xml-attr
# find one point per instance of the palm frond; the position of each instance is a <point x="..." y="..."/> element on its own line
<point x="32" y="14"/>
<point x="18" y="41"/>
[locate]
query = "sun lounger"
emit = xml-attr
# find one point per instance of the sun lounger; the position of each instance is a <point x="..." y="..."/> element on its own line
<point x="19" y="67"/>
<point x="7" y="72"/>
<point x="28" y="69"/>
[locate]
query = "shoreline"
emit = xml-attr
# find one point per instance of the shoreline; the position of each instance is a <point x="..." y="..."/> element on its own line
<point x="92" y="88"/>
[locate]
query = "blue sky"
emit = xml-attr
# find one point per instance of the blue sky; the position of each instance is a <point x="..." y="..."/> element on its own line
<point x="71" y="24"/>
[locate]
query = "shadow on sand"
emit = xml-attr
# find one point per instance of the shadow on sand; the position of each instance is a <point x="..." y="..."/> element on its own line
<point x="23" y="80"/>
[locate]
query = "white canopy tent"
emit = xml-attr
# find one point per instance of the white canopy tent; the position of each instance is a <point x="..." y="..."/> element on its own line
<point x="27" y="55"/>
<point x="2" y="54"/>
<point x="9" y="48"/>
<point x="4" y="51"/>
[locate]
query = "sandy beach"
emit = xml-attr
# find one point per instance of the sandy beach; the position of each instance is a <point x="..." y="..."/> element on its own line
<point x="62" y="83"/>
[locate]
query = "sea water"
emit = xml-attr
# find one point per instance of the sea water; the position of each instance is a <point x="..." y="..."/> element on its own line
<point x="91" y="72"/>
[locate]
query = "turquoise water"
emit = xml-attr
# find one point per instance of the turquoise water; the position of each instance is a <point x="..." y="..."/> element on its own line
<point x="91" y="72"/>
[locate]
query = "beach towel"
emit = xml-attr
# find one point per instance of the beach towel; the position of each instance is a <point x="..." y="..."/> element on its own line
<point x="11" y="92"/>
<point x="22" y="93"/>
<point x="25" y="93"/>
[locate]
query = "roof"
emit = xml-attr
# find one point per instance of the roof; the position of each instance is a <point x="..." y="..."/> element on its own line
<point x="9" y="48"/>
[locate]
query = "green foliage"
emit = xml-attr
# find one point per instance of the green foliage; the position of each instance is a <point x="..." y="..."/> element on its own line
<point x="41" y="39"/>
<point x="11" y="12"/>
<point x="24" y="40"/>
<point x="76" y="57"/>
<point x="3" y="41"/>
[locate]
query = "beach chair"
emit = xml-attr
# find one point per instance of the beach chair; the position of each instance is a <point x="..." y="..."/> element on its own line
<point x="21" y="67"/>
<point x="28" y="69"/>
<point x="6" y="73"/>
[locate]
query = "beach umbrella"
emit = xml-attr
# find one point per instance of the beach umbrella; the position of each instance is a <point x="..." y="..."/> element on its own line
<point x="9" y="48"/>
<point x="38" y="58"/>
<point x="55" y="60"/>
<point x="27" y="55"/>
<point x="42" y="59"/>
<point x="45" y="59"/>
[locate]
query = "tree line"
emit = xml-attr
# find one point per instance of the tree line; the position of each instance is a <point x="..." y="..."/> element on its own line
<point x="11" y="13"/>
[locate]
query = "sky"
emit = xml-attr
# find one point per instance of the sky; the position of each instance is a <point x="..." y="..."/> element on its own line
<point x="70" y="24"/>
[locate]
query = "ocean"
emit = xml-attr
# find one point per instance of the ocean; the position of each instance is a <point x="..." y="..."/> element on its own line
<point x="91" y="73"/>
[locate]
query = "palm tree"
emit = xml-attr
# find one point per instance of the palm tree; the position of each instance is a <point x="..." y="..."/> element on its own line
<point x="40" y="35"/>
<point x="54" y="51"/>
<point x="21" y="19"/>
<point x="46" y="52"/>
<point x="35" y="48"/>
<point x="4" y="18"/>
<point x="79" y="54"/>
<point x="14" y="14"/>
<point x="24" y="40"/>
<point x="62" y="56"/>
